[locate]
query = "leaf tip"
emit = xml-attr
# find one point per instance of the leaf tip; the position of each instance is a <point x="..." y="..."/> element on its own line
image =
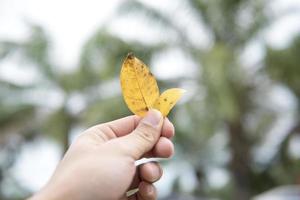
<point x="130" y="55"/>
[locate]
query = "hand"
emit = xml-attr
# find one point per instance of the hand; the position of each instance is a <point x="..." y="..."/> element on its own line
<point x="100" y="164"/>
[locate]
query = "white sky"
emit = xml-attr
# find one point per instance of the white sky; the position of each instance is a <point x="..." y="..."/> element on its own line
<point x="69" y="24"/>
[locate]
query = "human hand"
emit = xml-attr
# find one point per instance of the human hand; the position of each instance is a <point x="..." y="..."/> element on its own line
<point x="100" y="164"/>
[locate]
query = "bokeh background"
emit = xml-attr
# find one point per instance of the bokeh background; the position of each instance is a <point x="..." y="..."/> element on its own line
<point x="237" y="128"/>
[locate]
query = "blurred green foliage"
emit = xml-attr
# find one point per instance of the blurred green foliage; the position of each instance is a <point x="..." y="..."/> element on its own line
<point x="226" y="101"/>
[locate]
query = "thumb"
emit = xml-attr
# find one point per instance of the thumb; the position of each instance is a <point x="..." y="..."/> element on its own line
<point x="145" y="136"/>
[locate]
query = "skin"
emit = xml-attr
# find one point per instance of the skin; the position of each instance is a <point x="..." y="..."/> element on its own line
<point x="100" y="164"/>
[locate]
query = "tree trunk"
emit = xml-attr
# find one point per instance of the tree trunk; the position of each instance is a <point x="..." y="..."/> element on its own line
<point x="240" y="161"/>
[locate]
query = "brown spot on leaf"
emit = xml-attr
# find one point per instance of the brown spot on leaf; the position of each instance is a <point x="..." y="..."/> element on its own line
<point x="142" y="109"/>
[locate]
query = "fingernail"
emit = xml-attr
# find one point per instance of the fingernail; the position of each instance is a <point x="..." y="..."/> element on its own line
<point x="153" y="117"/>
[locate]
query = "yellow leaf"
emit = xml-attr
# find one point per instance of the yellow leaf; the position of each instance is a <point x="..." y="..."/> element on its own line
<point x="140" y="90"/>
<point x="139" y="86"/>
<point x="168" y="99"/>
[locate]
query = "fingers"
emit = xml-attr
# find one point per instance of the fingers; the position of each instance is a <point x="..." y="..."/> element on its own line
<point x="126" y="125"/>
<point x="147" y="191"/>
<point x="150" y="172"/>
<point x="164" y="148"/>
<point x="168" y="130"/>
<point x="144" y="137"/>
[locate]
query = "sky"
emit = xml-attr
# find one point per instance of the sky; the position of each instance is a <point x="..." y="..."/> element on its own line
<point x="71" y="23"/>
<point x="74" y="19"/>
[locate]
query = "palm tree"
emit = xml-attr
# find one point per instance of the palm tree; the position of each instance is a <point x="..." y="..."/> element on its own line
<point x="282" y="65"/>
<point x="225" y="94"/>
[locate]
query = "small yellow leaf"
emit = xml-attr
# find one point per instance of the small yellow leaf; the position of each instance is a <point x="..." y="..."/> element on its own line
<point x="139" y="86"/>
<point x="168" y="99"/>
<point x="140" y="90"/>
